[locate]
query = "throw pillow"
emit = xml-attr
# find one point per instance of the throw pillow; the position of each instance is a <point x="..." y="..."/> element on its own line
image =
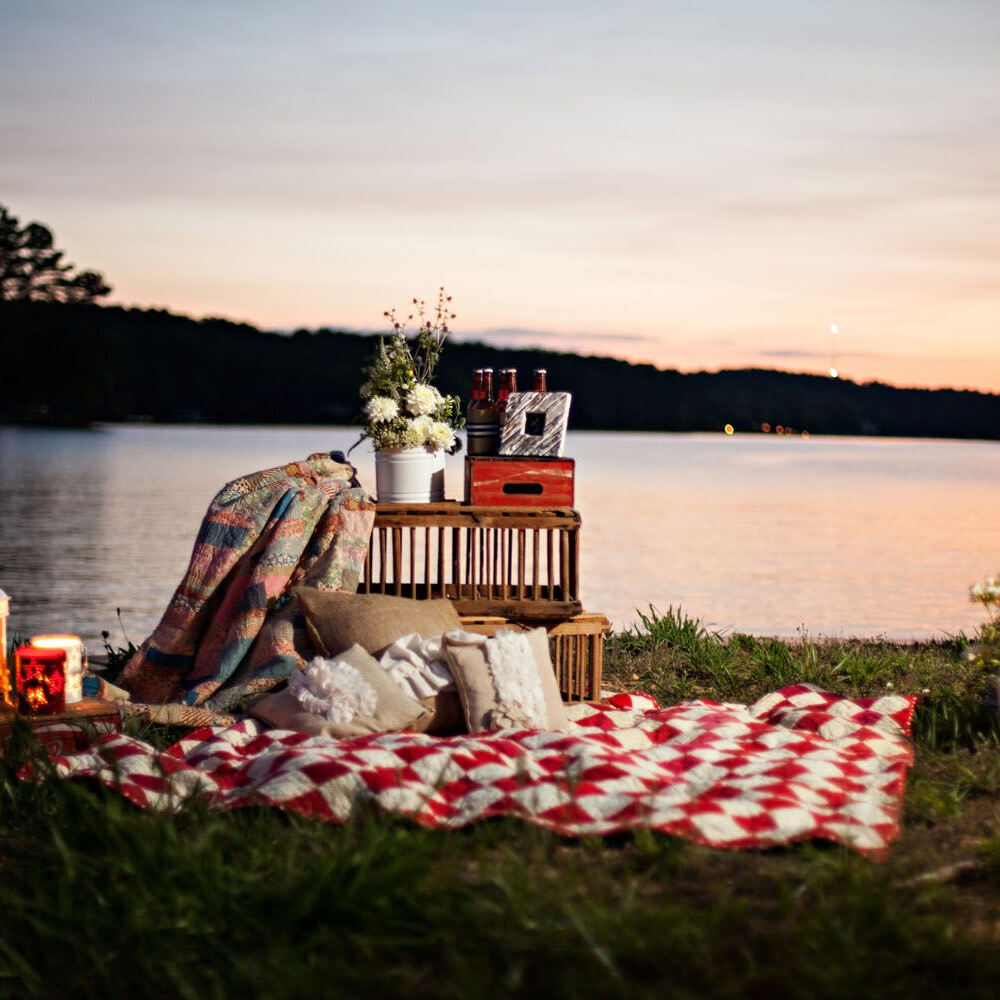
<point x="506" y="681"/>
<point x="394" y="708"/>
<point x="336" y="620"/>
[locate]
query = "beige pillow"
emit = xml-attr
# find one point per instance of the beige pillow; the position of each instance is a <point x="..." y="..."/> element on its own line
<point x="394" y="710"/>
<point x="474" y="676"/>
<point x="336" y="620"/>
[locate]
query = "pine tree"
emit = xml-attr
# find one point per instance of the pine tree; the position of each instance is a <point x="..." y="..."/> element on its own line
<point x="31" y="267"/>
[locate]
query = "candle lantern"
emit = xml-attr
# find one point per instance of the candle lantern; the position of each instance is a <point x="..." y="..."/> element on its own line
<point x="41" y="680"/>
<point x="76" y="661"/>
<point x="5" y="685"/>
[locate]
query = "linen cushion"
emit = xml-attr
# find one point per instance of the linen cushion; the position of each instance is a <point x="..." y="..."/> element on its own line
<point x="336" y="620"/>
<point x="488" y="704"/>
<point x="394" y="709"/>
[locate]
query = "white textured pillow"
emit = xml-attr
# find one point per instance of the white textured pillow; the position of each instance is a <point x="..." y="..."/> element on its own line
<point x="506" y="681"/>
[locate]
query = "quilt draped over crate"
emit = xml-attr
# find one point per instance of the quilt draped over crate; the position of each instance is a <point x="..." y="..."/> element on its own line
<point x="797" y="764"/>
<point x="229" y="631"/>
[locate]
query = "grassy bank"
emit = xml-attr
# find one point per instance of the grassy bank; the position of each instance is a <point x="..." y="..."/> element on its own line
<point x="100" y="899"/>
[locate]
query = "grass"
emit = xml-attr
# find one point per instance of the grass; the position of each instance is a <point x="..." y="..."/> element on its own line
<point x="100" y="899"/>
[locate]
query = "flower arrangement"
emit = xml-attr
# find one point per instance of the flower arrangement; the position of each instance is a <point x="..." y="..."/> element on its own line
<point x="402" y="408"/>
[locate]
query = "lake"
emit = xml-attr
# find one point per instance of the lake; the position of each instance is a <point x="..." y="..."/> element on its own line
<point x="754" y="533"/>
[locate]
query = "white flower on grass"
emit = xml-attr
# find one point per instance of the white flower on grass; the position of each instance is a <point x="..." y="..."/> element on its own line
<point x="380" y="409"/>
<point x="422" y="400"/>
<point x="440" y="435"/>
<point x="416" y="431"/>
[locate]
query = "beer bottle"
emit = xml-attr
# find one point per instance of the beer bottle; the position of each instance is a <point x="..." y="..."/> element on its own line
<point x="477" y="391"/>
<point x="508" y="384"/>
<point x="481" y="420"/>
<point x="540" y="379"/>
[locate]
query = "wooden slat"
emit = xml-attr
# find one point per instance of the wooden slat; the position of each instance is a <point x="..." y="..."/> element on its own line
<point x="456" y="562"/>
<point x="427" y="560"/>
<point x="441" y="563"/>
<point x="397" y="561"/>
<point x="549" y="566"/>
<point x="381" y="555"/>
<point x="520" y="563"/>
<point x="473" y="542"/>
<point x="413" y="562"/>
<point x="536" y="592"/>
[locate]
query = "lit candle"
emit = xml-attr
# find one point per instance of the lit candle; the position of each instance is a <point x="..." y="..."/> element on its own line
<point x="76" y="660"/>
<point x="41" y="680"/>
<point x="5" y="685"/>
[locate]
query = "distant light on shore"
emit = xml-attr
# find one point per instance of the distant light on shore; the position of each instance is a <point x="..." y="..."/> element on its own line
<point x="833" y="372"/>
<point x="729" y="429"/>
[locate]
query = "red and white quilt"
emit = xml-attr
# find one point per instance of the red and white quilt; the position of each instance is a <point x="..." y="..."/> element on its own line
<point x="799" y="763"/>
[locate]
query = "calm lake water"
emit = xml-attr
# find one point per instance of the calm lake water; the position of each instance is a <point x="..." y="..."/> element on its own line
<point x="830" y="536"/>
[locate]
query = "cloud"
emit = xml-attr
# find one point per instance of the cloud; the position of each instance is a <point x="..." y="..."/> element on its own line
<point x="551" y="336"/>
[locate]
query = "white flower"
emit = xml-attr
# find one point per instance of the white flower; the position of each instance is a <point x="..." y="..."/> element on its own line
<point x="416" y="431"/>
<point x="976" y="589"/>
<point x="440" y="435"/>
<point x="889" y="685"/>
<point x="380" y="409"/>
<point x="422" y="400"/>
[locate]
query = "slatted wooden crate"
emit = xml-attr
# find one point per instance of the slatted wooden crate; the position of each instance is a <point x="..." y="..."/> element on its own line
<point x="577" y="646"/>
<point x="519" y="563"/>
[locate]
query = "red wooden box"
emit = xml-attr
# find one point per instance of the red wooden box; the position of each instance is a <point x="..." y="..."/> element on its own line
<point x="515" y="481"/>
<point x="70" y="730"/>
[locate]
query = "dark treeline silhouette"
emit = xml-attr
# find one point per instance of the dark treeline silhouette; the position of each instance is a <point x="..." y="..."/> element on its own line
<point x="76" y="364"/>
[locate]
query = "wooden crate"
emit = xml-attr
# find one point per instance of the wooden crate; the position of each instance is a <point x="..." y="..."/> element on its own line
<point x="516" y="481"/>
<point x="577" y="646"/>
<point x="518" y="563"/>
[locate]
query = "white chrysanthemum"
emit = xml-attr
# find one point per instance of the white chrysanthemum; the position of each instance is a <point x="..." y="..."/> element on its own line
<point x="441" y="435"/>
<point x="416" y="432"/>
<point x="423" y="400"/>
<point x="380" y="409"/>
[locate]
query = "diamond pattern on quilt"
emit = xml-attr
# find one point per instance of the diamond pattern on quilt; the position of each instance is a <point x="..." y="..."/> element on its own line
<point x="796" y="764"/>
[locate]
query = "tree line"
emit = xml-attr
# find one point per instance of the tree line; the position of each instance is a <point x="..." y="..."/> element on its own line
<point x="77" y="363"/>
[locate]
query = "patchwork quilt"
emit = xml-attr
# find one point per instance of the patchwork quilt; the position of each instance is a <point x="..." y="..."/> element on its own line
<point x="800" y="763"/>
<point x="229" y="630"/>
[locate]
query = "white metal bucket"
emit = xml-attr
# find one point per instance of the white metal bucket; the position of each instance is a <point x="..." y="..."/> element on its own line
<point x="409" y="475"/>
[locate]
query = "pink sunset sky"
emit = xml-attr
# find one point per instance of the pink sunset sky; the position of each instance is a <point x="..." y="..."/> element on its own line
<point x="700" y="185"/>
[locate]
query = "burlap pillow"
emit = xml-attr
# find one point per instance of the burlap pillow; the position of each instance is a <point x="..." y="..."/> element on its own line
<point x="467" y="660"/>
<point x="336" y="620"/>
<point x="395" y="709"/>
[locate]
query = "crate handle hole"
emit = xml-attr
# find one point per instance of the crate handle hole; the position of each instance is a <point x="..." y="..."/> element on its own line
<point x="523" y="488"/>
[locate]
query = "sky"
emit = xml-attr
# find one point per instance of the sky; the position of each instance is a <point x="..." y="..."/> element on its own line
<point x="700" y="185"/>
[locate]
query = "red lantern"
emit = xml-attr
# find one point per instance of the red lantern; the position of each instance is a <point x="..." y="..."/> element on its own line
<point x="41" y="680"/>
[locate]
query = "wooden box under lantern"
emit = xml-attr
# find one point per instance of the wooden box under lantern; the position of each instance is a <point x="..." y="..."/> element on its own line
<point x="68" y="731"/>
<point x="519" y="481"/>
<point x="517" y="562"/>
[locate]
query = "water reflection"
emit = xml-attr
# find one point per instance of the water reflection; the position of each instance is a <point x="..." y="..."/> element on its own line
<point x="762" y="534"/>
